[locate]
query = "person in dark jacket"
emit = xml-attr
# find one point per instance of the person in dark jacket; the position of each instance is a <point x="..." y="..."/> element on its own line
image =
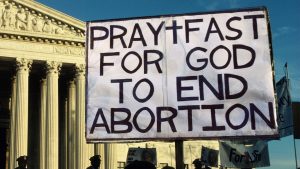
<point x="22" y="162"/>
<point x="95" y="162"/>
<point x="197" y="163"/>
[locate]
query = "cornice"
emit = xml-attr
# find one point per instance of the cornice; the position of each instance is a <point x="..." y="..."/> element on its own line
<point x="41" y="38"/>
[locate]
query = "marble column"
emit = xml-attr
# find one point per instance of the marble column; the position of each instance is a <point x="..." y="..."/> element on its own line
<point x="99" y="150"/>
<point x="12" y="124"/>
<point x="21" y="118"/>
<point x="64" y="130"/>
<point x="110" y="156"/>
<point x="52" y="135"/>
<point x="71" y="125"/>
<point x="42" y="136"/>
<point x="84" y="150"/>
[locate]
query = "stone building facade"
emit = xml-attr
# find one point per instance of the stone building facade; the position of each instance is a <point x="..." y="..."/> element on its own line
<point x="42" y="96"/>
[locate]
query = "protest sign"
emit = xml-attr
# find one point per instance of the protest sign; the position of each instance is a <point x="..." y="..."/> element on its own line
<point x="209" y="157"/>
<point x="141" y="154"/>
<point x="237" y="155"/>
<point x="185" y="76"/>
<point x="284" y="113"/>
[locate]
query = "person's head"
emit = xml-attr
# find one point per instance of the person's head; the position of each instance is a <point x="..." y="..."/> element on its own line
<point x="197" y="163"/>
<point x="168" y="167"/>
<point x="22" y="161"/>
<point x="95" y="161"/>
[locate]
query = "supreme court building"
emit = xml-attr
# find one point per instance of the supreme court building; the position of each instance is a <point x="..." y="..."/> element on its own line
<point x="42" y="93"/>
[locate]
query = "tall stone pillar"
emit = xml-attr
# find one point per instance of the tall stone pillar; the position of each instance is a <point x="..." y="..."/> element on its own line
<point x="42" y="136"/>
<point x="52" y="136"/>
<point x="110" y="156"/>
<point x="21" y="118"/>
<point x="84" y="151"/>
<point x="64" y="144"/>
<point x="99" y="150"/>
<point x="71" y="125"/>
<point x="12" y="124"/>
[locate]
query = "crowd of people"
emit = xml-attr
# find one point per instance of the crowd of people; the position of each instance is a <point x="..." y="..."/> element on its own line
<point x="96" y="161"/>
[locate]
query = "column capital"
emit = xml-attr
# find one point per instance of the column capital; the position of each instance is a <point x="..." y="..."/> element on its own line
<point x="13" y="78"/>
<point x="43" y="81"/>
<point x="23" y="64"/>
<point x="80" y="69"/>
<point x="71" y="83"/>
<point x="53" y="67"/>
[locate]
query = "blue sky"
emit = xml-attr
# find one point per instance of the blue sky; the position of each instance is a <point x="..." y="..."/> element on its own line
<point x="285" y="27"/>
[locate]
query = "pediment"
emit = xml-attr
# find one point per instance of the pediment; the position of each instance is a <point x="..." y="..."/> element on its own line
<point x="30" y="20"/>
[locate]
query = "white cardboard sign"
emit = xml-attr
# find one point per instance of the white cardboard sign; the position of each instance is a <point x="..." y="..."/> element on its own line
<point x="237" y="155"/>
<point x="186" y="76"/>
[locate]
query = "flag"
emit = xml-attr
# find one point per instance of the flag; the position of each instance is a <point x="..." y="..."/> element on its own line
<point x="244" y="155"/>
<point x="141" y="154"/>
<point x="284" y="113"/>
<point x="209" y="157"/>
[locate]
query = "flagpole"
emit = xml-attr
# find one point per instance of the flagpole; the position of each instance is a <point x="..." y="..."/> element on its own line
<point x="295" y="150"/>
<point x="295" y="153"/>
<point x="286" y="70"/>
